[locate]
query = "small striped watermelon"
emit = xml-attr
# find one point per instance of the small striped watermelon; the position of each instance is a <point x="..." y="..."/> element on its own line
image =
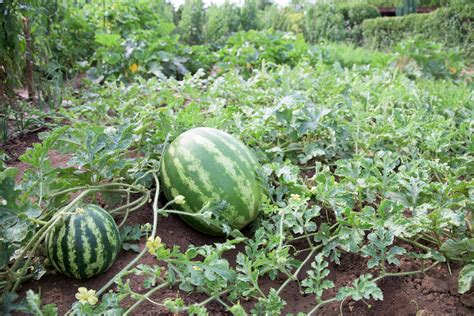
<point x="84" y="243"/>
<point x="209" y="165"/>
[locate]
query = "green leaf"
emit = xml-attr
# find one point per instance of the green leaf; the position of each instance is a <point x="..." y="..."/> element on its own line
<point x="5" y="253"/>
<point x="237" y="310"/>
<point x="272" y="305"/>
<point x="34" y="305"/>
<point x="7" y="303"/>
<point x="463" y="249"/>
<point x="8" y="193"/>
<point x="127" y="246"/>
<point x="466" y="278"/>
<point x="363" y="287"/>
<point x="315" y="282"/>
<point x="108" y="40"/>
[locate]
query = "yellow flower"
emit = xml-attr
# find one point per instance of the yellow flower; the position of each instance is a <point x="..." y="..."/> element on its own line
<point x="295" y="198"/>
<point x="196" y="268"/>
<point x="86" y="296"/>
<point x="133" y="68"/>
<point x="180" y="199"/>
<point x="153" y="244"/>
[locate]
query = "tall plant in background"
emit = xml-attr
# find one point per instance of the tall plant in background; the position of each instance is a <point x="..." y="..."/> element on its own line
<point x="27" y="62"/>
<point x="10" y="41"/>
<point x="323" y="21"/>
<point x="274" y="18"/>
<point x="192" y="22"/>
<point x="249" y="16"/>
<point x="222" y="21"/>
<point x="25" y="56"/>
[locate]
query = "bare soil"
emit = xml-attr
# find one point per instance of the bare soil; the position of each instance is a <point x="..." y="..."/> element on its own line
<point x="434" y="293"/>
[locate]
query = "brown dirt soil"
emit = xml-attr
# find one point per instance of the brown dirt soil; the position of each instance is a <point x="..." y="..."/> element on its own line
<point x="434" y="293"/>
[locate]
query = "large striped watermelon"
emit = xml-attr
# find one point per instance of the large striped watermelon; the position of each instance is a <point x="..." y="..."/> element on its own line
<point x="209" y="165"/>
<point x="84" y="243"/>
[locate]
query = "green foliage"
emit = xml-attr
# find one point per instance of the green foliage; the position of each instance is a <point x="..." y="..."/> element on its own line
<point x="222" y="21"/>
<point x="334" y="178"/>
<point x="248" y="50"/>
<point x="10" y="44"/>
<point x="349" y="55"/>
<point x="363" y="288"/>
<point x="316" y="283"/>
<point x="447" y="26"/>
<point x="192" y="22"/>
<point x="421" y="58"/>
<point x="285" y="19"/>
<point x="273" y="18"/>
<point x="466" y="278"/>
<point x="32" y="305"/>
<point x="124" y="49"/>
<point x="25" y="39"/>
<point x="354" y="15"/>
<point x="323" y="21"/>
<point x="362" y="151"/>
<point x="249" y="16"/>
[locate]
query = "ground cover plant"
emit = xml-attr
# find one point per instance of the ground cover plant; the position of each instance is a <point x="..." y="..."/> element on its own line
<point x="363" y="159"/>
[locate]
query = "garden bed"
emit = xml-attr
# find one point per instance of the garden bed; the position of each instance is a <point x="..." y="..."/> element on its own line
<point x="434" y="293"/>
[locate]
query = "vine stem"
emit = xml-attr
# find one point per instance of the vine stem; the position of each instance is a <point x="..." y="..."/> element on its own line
<point x="145" y="297"/>
<point x="183" y="213"/>
<point x="309" y="256"/>
<point x="415" y="243"/>
<point x="136" y="204"/>
<point x="143" y="252"/>
<point x="282" y="214"/>
<point x="310" y="234"/>
<point x="36" y="221"/>
<point x="387" y="274"/>
<point x="311" y="312"/>
<point x="295" y="275"/>
<point x="96" y="187"/>
<point x="213" y="297"/>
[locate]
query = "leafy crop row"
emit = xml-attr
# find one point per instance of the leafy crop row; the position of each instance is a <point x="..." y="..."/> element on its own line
<point x="362" y="160"/>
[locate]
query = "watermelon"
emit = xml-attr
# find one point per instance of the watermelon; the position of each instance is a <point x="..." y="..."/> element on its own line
<point x="208" y="165"/>
<point x="84" y="243"/>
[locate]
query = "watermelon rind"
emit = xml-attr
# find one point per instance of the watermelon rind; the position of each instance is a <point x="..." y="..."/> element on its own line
<point x="209" y="166"/>
<point x="84" y="243"/>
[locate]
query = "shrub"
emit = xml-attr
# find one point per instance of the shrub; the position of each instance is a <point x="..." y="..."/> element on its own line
<point x="354" y="15"/>
<point x="247" y="51"/>
<point x="428" y="59"/>
<point x="349" y="55"/>
<point x="447" y="26"/>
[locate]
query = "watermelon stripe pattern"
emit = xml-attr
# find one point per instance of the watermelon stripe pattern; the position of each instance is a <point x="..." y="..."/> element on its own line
<point x="209" y="165"/>
<point x="84" y="243"/>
